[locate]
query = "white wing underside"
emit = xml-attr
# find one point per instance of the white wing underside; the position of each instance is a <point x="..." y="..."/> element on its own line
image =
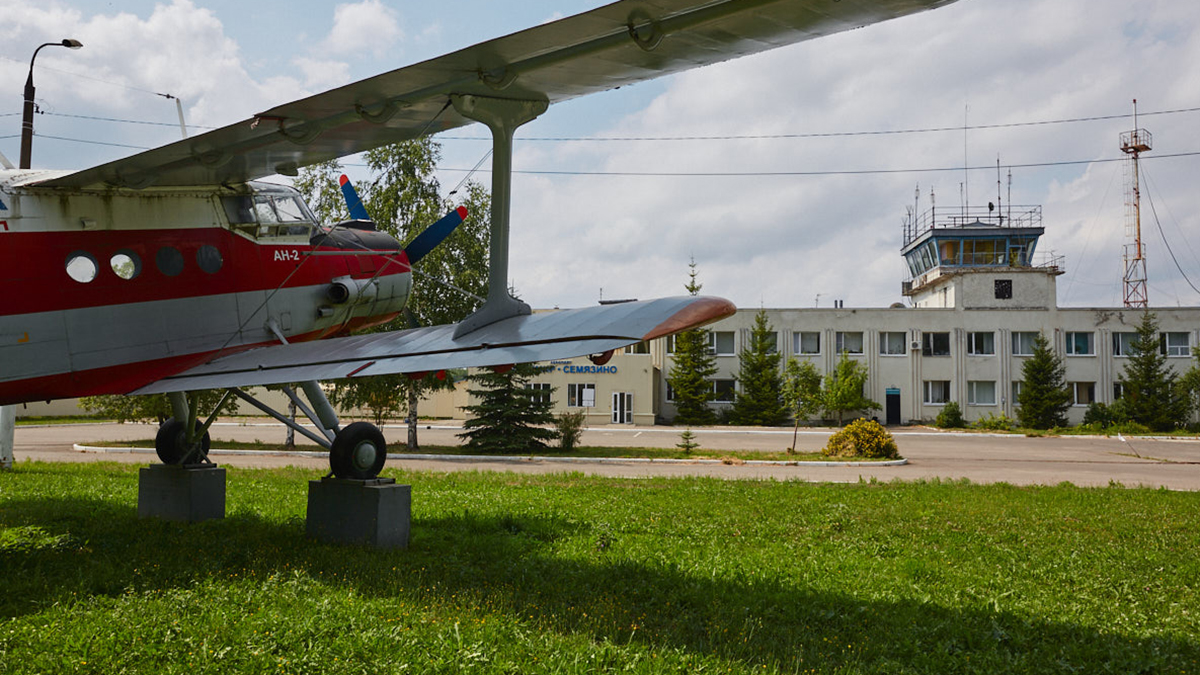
<point x="543" y="336"/>
<point x="605" y="48"/>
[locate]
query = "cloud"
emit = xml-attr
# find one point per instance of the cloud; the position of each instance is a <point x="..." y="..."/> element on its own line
<point x="782" y="239"/>
<point x="364" y="26"/>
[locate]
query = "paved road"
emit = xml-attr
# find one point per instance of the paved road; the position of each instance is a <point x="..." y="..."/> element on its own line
<point x="1084" y="461"/>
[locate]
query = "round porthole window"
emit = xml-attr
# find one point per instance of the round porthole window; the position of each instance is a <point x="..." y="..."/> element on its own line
<point x="82" y="267"/>
<point x="126" y="264"/>
<point x="209" y="259"/>
<point x="169" y="261"/>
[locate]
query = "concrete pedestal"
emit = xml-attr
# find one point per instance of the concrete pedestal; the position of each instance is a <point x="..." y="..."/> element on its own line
<point x="187" y="494"/>
<point x="373" y="513"/>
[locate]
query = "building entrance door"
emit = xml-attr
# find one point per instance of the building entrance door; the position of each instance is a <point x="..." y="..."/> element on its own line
<point x="622" y="407"/>
<point x="893" y="406"/>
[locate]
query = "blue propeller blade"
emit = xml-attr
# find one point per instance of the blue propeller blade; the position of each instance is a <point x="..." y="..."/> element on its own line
<point x="357" y="210"/>
<point x="434" y="234"/>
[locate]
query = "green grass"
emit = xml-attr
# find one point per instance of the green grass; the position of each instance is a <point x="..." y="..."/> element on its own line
<point x="582" y="451"/>
<point x="571" y="574"/>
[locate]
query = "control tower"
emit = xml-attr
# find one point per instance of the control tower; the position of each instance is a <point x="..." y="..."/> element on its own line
<point x="975" y="258"/>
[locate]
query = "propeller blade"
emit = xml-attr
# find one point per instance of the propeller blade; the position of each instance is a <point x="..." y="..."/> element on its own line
<point x="353" y="202"/>
<point x="434" y="234"/>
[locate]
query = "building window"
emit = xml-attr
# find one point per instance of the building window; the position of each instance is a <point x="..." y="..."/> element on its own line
<point x="981" y="344"/>
<point x="1080" y="344"/>
<point x="1082" y="393"/>
<point x="642" y="347"/>
<point x="1017" y="386"/>
<point x="670" y="393"/>
<point x="723" y="390"/>
<point x="937" y="392"/>
<point x="935" y="344"/>
<point x="1023" y="343"/>
<point x="671" y="343"/>
<point x="1118" y="390"/>
<point x="893" y="343"/>
<point x="540" y="393"/>
<point x="1176" y="344"/>
<point x="721" y="342"/>
<point x="772" y="342"/>
<point x="850" y="343"/>
<point x="980" y="392"/>
<point x="1004" y="289"/>
<point x="806" y="342"/>
<point x="581" y="395"/>
<point x="1123" y="343"/>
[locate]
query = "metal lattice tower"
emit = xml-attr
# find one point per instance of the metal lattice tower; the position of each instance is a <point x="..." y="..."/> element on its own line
<point x="1133" y="143"/>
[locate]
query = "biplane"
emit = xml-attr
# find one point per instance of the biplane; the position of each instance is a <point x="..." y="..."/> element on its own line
<point x="176" y="269"/>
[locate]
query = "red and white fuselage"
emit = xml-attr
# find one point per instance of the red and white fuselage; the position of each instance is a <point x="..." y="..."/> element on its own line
<point x="106" y="291"/>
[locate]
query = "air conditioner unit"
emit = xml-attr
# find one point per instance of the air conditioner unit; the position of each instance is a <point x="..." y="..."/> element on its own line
<point x="916" y="345"/>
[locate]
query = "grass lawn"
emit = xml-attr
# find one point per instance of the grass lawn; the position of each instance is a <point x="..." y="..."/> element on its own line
<point x="510" y="573"/>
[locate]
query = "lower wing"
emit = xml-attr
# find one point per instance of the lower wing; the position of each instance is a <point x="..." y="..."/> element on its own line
<point x="542" y="336"/>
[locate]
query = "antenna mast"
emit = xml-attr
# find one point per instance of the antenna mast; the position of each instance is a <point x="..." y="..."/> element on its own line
<point x="1133" y="143"/>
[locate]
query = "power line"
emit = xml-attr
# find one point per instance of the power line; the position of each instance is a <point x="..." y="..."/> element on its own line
<point x="1168" y="245"/>
<point x="846" y="172"/>
<point x="116" y="119"/>
<point x="836" y="134"/>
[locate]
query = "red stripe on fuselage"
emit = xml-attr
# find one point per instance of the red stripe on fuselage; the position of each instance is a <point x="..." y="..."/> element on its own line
<point x="34" y="275"/>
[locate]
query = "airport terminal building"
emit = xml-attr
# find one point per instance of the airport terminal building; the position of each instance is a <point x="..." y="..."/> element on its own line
<point x="976" y="300"/>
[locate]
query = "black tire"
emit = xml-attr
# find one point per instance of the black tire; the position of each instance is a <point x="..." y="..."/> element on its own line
<point x="358" y="452"/>
<point x="172" y="447"/>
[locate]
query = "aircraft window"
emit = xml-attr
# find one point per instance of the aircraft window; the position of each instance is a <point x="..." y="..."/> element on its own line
<point x="290" y="210"/>
<point x="169" y="261"/>
<point x="265" y="211"/>
<point x="238" y="210"/>
<point x="82" y="267"/>
<point x="209" y="259"/>
<point x="125" y="264"/>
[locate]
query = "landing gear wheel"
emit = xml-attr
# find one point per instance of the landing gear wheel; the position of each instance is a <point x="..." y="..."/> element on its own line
<point x="358" y="452"/>
<point x="172" y="446"/>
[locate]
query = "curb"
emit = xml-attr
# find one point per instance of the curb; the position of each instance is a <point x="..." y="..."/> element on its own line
<point x="508" y="458"/>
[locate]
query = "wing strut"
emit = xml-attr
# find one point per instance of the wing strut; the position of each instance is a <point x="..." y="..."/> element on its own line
<point x="503" y="116"/>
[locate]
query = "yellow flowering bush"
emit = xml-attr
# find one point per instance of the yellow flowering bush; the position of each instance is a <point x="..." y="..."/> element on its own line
<point x="862" y="438"/>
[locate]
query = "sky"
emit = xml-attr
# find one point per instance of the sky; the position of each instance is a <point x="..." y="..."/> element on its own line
<point x="786" y="176"/>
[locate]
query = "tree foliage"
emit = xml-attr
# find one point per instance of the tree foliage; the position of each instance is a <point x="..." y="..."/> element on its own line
<point x="402" y="196"/>
<point x="153" y="407"/>
<point x="692" y="369"/>
<point x="511" y="416"/>
<point x="1151" y="393"/>
<point x="801" y="393"/>
<point x="843" y="391"/>
<point x="1044" y="396"/>
<point x="760" y="401"/>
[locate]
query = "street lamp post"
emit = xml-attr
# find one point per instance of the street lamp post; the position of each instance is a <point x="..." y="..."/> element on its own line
<point x="27" y="116"/>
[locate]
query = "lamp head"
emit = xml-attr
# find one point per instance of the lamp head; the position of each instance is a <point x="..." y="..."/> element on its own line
<point x="71" y="43"/>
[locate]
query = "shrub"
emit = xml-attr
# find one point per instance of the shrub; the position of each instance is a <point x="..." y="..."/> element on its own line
<point x="950" y="417"/>
<point x="570" y="427"/>
<point x="862" y="438"/>
<point x="994" y="422"/>
<point x="687" y="441"/>
<point x="1097" y="417"/>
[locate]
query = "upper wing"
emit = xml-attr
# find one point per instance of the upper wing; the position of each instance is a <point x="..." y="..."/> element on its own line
<point x="608" y="47"/>
<point x="521" y="339"/>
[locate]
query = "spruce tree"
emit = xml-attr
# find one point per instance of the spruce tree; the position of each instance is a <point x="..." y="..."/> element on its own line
<point x="760" y="401"/>
<point x="1044" y="395"/>
<point x="1150" y="390"/>
<point x="511" y="416"/>
<point x="692" y="369"/>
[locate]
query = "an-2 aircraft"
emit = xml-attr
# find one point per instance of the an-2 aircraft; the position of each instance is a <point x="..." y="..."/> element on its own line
<point x="173" y="270"/>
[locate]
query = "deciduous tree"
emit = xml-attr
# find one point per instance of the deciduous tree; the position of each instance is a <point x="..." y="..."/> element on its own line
<point x="801" y="393"/>
<point x="843" y="392"/>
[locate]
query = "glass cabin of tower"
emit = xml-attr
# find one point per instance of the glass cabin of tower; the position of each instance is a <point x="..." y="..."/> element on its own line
<point x="966" y="240"/>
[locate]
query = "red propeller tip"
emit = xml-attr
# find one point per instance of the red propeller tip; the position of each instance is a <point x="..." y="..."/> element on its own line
<point x="342" y="180"/>
<point x="462" y="212"/>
